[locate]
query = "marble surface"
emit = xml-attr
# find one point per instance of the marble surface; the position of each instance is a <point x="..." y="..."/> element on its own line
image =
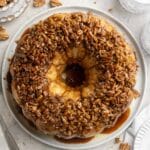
<point x="134" y="22"/>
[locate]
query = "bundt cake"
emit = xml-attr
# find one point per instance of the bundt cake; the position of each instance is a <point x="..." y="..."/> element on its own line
<point x="73" y="75"/>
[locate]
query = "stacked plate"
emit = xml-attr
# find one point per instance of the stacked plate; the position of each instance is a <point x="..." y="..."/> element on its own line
<point x="145" y="40"/>
<point x="142" y="125"/>
<point x="136" y="6"/>
<point x="13" y="10"/>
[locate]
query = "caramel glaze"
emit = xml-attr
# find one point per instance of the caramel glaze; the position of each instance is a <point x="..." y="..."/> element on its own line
<point x="74" y="140"/>
<point x="119" y="122"/>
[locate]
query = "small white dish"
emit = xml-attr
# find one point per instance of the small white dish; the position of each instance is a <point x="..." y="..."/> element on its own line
<point x="10" y="5"/>
<point x="14" y="11"/>
<point x="143" y="136"/>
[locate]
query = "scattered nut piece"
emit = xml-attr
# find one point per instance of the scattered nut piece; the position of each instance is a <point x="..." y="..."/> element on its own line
<point x="3" y="3"/>
<point x="38" y="3"/>
<point x="136" y="94"/>
<point x="124" y="146"/>
<point x="117" y="140"/>
<point x="3" y="34"/>
<point x="94" y="2"/>
<point x="55" y="3"/>
<point x="110" y="9"/>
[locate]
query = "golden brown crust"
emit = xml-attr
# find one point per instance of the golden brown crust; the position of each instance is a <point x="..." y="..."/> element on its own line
<point x="37" y="71"/>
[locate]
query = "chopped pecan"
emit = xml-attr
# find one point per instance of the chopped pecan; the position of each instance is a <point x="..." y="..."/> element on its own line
<point x="124" y="146"/>
<point x="3" y="3"/>
<point x="38" y="3"/>
<point x="55" y="3"/>
<point x="117" y="140"/>
<point x="110" y="9"/>
<point x="3" y="34"/>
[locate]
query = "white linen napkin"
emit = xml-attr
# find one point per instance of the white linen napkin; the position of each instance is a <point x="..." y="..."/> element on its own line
<point x="3" y="142"/>
<point x="145" y="40"/>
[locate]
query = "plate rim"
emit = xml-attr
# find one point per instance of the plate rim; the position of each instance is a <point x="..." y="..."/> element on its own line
<point x="88" y="9"/>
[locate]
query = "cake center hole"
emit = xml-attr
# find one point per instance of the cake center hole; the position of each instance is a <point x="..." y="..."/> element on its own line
<point x="75" y="75"/>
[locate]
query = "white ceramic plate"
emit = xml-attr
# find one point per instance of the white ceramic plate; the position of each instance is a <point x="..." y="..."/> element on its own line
<point x="142" y="140"/>
<point x="101" y="138"/>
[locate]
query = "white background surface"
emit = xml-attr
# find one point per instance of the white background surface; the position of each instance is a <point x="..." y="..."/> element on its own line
<point x="134" y="22"/>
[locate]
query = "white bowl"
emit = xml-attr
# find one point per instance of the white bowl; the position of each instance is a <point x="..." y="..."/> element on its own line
<point x="13" y="10"/>
<point x="101" y="138"/>
<point x="10" y="5"/>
